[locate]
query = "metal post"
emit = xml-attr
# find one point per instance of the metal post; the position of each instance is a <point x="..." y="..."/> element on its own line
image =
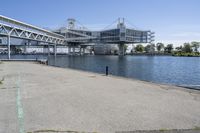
<point x="106" y="70"/>
<point x="8" y="41"/>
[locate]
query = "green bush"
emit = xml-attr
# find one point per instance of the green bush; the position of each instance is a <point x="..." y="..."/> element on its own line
<point x="192" y="54"/>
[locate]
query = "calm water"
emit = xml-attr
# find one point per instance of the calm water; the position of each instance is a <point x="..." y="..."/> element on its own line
<point x="184" y="71"/>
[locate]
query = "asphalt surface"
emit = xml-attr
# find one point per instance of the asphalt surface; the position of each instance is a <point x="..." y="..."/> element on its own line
<point x="37" y="97"/>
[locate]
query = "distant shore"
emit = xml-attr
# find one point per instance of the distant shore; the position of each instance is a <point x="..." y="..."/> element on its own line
<point x="178" y="54"/>
<point x="151" y="54"/>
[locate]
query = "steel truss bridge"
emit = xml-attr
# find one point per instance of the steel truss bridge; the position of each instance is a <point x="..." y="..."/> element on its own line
<point x="71" y="37"/>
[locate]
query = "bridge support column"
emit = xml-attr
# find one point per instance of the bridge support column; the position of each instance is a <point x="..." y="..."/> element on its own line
<point x="80" y="50"/>
<point x="55" y="49"/>
<point x="121" y="49"/>
<point x="73" y="50"/>
<point x="8" y="41"/>
<point x="69" y="49"/>
<point x="83" y="50"/>
<point x="48" y="50"/>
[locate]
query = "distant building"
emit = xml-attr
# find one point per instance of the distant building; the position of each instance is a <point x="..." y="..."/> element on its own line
<point x="102" y="49"/>
<point x="104" y="39"/>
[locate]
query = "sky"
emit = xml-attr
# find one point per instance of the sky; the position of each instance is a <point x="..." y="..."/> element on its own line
<point x="173" y="21"/>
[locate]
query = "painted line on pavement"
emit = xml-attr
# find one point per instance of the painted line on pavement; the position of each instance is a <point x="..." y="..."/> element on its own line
<point x="20" y="112"/>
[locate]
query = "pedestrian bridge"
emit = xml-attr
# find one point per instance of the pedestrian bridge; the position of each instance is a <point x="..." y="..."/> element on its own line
<point x="17" y="29"/>
<point x="11" y="28"/>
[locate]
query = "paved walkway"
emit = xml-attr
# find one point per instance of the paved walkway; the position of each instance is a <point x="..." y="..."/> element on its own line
<point x="38" y="97"/>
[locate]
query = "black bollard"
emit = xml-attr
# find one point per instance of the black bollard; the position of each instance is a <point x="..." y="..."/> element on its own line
<point x="106" y="70"/>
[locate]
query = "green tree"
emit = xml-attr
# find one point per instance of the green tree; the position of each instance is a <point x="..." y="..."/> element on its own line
<point x="160" y="46"/>
<point x="147" y="48"/>
<point x="169" y="48"/>
<point x="179" y="48"/>
<point x="153" y="48"/>
<point x="150" y="48"/>
<point x="139" y="48"/>
<point x="195" y="45"/>
<point x="187" y="48"/>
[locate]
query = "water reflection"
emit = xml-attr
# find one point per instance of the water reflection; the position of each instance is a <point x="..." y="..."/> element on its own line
<point x="165" y="69"/>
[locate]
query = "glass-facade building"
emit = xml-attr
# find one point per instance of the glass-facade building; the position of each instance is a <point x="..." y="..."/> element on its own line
<point x="118" y="35"/>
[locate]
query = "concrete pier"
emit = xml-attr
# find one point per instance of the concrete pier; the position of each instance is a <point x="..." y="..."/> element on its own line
<point x="121" y="49"/>
<point x="39" y="97"/>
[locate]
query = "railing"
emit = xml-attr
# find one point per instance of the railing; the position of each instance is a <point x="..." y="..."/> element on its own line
<point x="17" y="29"/>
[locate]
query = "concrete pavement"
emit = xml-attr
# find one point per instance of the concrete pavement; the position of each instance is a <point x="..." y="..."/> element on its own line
<point x="38" y="97"/>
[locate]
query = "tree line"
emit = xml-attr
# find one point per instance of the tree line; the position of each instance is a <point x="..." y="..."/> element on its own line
<point x="187" y="49"/>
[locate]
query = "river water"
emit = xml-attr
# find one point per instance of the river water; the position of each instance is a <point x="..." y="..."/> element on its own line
<point x="182" y="71"/>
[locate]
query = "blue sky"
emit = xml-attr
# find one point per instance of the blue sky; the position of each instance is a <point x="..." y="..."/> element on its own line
<point x="174" y="21"/>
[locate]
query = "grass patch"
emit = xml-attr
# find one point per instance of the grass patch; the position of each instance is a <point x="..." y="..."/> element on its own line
<point x="163" y="130"/>
<point x="1" y="81"/>
<point x="40" y="131"/>
<point x="196" y="128"/>
<point x="55" y="131"/>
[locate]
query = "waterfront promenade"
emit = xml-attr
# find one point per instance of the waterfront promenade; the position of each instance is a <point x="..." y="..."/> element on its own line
<point x="39" y="97"/>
